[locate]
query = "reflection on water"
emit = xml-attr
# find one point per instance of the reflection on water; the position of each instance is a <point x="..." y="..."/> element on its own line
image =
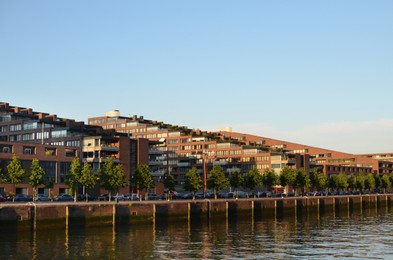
<point x="358" y="234"/>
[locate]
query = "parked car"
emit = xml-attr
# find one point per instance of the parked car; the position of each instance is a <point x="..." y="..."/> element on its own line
<point x="119" y="197"/>
<point x="241" y="194"/>
<point x="82" y="197"/>
<point x="2" y="199"/>
<point x="264" y="194"/>
<point x="22" y="197"/>
<point x="43" y="197"/>
<point x="152" y="196"/>
<point x="133" y="196"/>
<point x="291" y="194"/>
<point x="103" y="197"/>
<point x="64" y="197"/>
<point x="227" y="195"/>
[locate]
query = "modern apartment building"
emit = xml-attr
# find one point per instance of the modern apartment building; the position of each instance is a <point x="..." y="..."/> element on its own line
<point x="330" y="162"/>
<point x="55" y="142"/>
<point x="181" y="148"/>
<point x="176" y="149"/>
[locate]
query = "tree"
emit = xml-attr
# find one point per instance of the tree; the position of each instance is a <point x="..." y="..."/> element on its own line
<point x="318" y="180"/>
<point x="377" y="180"/>
<point x="341" y="181"/>
<point x="87" y="179"/>
<point x="385" y="182"/>
<point x="313" y="178"/>
<point x="269" y="178"/>
<point x="3" y="177"/>
<point x="321" y="181"/>
<point x="302" y="180"/>
<point x="16" y="173"/>
<point x="369" y="182"/>
<point x="193" y="182"/>
<point x="236" y="179"/>
<point x="36" y="177"/>
<point x="252" y="179"/>
<point x="112" y="177"/>
<point x="49" y="184"/>
<point x="217" y="180"/>
<point x="73" y="176"/>
<point x="143" y="179"/>
<point x="351" y="181"/>
<point x="169" y="183"/>
<point x="287" y="177"/>
<point x="360" y="184"/>
<point x="332" y="182"/>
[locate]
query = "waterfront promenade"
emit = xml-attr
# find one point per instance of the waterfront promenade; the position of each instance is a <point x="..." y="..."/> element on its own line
<point x="43" y="215"/>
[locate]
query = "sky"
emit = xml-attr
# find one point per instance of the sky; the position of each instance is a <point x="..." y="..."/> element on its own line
<point x="312" y="72"/>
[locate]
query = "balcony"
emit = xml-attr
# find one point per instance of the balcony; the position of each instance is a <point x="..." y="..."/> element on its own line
<point x="220" y="163"/>
<point x="183" y="164"/>
<point x="157" y="163"/>
<point x="109" y="148"/>
<point x="155" y="151"/>
<point x="158" y="173"/>
<point x="104" y="159"/>
<point x="291" y="162"/>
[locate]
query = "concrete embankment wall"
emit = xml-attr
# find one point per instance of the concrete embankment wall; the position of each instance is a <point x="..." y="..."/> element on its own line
<point x="44" y="215"/>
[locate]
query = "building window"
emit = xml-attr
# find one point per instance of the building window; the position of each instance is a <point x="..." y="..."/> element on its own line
<point x="28" y="137"/>
<point x="6" y="149"/>
<point x="61" y="133"/>
<point x="28" y="150"/>
<point x="50" y="151"/>
<point x="70" y="153"/>
<point x="14" y="128"/>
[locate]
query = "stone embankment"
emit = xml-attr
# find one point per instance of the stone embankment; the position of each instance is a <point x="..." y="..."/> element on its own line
<point x="46" y="215"/>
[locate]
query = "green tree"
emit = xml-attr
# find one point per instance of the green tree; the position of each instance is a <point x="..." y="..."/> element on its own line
<point x="369" y="182"/>
<point x="377" y="180"/>
<point x="217" y="180"/>
<point x="252" y="179"/>
<point x="73" y="176"/>
<point x="87" y="179"/>
<point x="16" y="173"/>
<point x="385" y="182"/>
<point x="360" y="181"/>
<point x="49" y="184"/>
<point x="36" y="177"/>
<point x="332" y="182"/>
<point x="391" y="178"/>
<point x="193" y="182"/>
<point x="111" y="176"/>
<point x="341" y="181"/>
<point x="3" y="177"/>
<point x="236" y="179"/>
<point x="169" y="182"/>
<point x="351" y="181"/>
<point x="287" y="177"/>
<point x="269" y="178"/>
<point x="313" y="179"/>
<point x="143" y="179"/>
<point x="321" y="181"/>
<point x="318" y="180"/>
<point x="302" y="181"/>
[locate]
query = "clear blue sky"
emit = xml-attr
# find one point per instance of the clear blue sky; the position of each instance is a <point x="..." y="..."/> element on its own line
<point x="313" y="72"/>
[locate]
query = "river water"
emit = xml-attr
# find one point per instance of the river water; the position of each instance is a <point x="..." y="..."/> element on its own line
<point x="359" y="234"/>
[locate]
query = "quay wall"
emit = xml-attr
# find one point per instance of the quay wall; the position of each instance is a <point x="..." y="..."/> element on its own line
<point x="42" y="215"/>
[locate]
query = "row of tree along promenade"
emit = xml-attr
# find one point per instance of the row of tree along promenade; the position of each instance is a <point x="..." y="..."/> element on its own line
<point x="111" y="178"/>
<point x="61" y="215"/>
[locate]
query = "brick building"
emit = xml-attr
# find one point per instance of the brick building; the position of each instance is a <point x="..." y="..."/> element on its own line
<point x="55" y="142"/>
